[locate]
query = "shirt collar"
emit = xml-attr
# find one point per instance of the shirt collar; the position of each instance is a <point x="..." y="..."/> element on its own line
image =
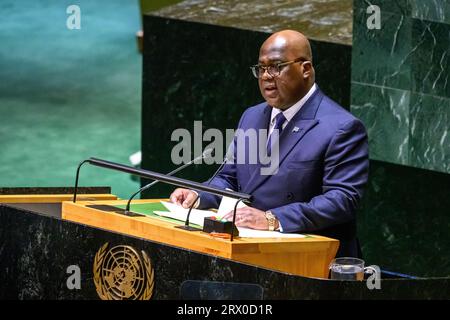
<point x="289" y="113"/>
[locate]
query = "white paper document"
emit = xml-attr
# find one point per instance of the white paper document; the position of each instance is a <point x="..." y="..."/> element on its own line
<point x="179" y="213"/>
<point x="227" y="204"/>
<point x="197" y="216"/>
<point x="252" y="233"/>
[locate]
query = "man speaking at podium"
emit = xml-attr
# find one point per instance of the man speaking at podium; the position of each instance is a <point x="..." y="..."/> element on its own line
<point x="323" y="153"/>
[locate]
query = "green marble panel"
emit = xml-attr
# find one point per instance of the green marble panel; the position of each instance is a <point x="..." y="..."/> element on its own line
<point x="433" y="10"/>
<point x="382" y="57"/>
<point x="404" y="221"/>
<point x="410" y="54"/>
<point x="402" y="7"/>
<point x="385" y="113"/>
<point x="331" y="61"/>
<point x="430" y="132"/>
<point x="430" y="58"/>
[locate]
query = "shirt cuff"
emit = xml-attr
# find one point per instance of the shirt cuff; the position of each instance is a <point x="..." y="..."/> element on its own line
<point x="197" y="203"/>
<point x="280" y="227"/>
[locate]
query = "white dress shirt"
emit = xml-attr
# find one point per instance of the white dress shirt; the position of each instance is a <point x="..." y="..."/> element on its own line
<point x="290" y="112"/>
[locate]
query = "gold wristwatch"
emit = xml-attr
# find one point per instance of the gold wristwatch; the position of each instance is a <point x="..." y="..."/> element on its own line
<point x="271" y="219"/>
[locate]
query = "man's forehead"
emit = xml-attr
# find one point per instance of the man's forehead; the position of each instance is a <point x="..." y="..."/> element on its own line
<point x="274" y="49"/>
<point x="272" y="56"/>
<point x="273" y="46"/>
<point x="276" y="42"/>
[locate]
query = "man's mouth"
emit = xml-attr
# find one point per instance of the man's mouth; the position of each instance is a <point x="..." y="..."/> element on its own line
<point x="270" y="90"/>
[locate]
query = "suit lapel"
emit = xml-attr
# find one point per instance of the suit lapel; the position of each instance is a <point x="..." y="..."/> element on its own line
<point x="303" y="121"/>
<point x="264" y="119"/>
<point x="261" y="123"/>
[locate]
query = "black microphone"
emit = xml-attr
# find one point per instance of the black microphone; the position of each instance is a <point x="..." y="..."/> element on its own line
<point x="232" y="230"/>
<point x="157" y="176"/>
<point x="167" y="179"/>
<point x="186" y="223"/>
<point x="206" y="154"/>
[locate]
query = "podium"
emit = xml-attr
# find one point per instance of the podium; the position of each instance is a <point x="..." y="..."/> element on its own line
<point x="48" y="200"/>
<point x="309" y="256"/>
<point x="46" y="242"/>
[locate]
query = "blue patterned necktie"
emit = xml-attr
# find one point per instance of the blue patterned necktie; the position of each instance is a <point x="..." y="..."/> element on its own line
<point x="279" y="120"/>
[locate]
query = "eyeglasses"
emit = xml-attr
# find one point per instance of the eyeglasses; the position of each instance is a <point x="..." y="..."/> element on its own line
<point x="273" y="69"/>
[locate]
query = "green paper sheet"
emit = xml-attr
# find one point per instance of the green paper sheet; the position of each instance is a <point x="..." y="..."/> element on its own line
<point x="148" y="210"/>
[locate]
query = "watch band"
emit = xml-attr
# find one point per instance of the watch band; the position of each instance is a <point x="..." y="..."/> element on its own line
<point x="197" y="203"/>
<point x="271" y="220"/>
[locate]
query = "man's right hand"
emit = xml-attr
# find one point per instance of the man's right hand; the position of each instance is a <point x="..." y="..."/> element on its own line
<point x="183" y="197"/>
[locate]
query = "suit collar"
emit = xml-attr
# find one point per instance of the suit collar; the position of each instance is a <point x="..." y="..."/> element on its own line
<point x="293" y="110"/>
<point x="307" y="111"/>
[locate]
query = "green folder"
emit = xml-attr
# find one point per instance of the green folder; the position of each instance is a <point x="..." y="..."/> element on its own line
<point x="148" y="210"/>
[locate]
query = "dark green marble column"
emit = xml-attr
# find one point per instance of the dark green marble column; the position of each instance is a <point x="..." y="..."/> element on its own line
<point x="400" y="88"/>
<point x="400" y="81"/>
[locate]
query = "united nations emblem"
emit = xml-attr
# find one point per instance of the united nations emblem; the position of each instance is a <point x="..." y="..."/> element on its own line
<point x="121" y="273"/>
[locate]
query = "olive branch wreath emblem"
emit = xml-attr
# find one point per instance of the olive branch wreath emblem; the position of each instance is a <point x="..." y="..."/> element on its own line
<point x="121" y="273"/>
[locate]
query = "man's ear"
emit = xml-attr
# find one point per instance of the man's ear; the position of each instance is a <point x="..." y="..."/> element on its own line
<point x="307" y="69"/>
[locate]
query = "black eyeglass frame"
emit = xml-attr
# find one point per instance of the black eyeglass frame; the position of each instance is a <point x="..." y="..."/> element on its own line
<point x="256" y="73"/>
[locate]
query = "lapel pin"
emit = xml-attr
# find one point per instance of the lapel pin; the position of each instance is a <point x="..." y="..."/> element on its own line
<point x="295" y="129"/>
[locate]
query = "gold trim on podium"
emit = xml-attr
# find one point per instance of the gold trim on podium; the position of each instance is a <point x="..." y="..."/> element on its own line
<point x="307" y="257"/>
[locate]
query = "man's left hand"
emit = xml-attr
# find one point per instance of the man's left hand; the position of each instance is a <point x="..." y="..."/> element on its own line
<point x="249" y="217"/>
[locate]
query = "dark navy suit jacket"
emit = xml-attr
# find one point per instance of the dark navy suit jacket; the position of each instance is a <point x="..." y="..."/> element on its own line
<point x="323" y="168"/>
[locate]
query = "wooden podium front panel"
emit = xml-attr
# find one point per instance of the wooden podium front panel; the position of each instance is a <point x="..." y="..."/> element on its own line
<point x="311" y="260"/>
<point x="308" y="256"/>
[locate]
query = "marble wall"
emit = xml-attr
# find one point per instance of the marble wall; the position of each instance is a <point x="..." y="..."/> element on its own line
<point x="404" y="221"/>
<point x="400" y="88"/>
<point x="400" y="81"/>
